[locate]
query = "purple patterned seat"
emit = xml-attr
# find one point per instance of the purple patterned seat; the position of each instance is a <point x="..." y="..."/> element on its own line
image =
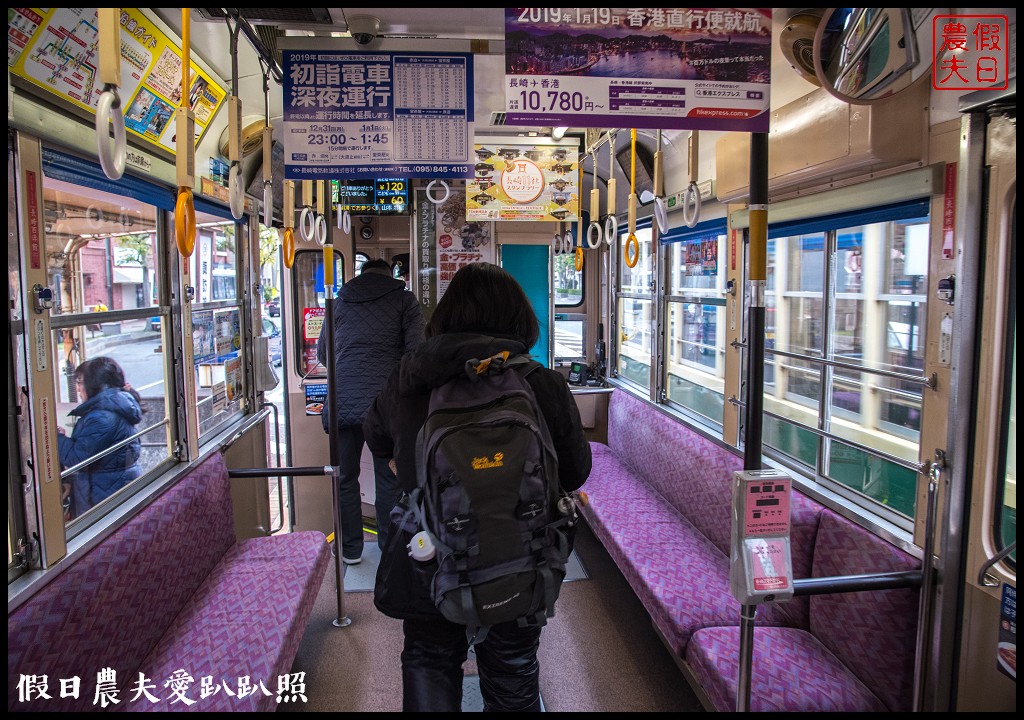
<point x="172" y="590"/>
<point x="660" y="498"/>
<point x="857" y="656"/>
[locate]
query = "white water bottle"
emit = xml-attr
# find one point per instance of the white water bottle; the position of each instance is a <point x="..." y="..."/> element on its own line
<point x="421" y="547"/>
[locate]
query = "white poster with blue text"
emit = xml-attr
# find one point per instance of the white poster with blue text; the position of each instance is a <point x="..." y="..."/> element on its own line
<point x="659" y="68"/>
<point x="366" y="115"/>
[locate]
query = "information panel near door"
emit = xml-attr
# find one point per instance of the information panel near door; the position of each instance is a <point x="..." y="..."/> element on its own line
<point x="761" y="567"/>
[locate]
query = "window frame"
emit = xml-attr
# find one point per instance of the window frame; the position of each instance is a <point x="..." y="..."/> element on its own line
<point x="820" y="422"/>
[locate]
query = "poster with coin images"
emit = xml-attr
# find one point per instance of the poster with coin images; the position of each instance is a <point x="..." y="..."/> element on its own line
<point x="524" y="182"/>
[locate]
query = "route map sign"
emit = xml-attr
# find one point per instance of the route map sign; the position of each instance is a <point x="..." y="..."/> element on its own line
<point x="55" y="49"/>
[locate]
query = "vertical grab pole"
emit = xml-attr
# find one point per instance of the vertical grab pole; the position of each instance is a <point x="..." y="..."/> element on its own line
<point x="332" y="431"/>
<point x="924" y="612"/>
<point x="757" y="273"/>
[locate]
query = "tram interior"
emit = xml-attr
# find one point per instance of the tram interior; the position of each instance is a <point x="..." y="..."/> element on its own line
<point x="866" y="383"/>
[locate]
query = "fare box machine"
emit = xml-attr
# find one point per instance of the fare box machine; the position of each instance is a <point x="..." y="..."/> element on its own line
<point x="761" y="567"/>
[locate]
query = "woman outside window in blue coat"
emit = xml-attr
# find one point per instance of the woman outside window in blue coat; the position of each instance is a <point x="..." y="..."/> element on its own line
<point x="109" y="414"/>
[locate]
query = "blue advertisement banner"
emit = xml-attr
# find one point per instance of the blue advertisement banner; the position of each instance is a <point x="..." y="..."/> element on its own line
<point x="365" y="115"/>
<point x="660" y="68"/>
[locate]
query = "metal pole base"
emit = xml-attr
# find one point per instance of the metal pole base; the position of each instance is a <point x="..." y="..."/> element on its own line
<point x="342" y="622"/>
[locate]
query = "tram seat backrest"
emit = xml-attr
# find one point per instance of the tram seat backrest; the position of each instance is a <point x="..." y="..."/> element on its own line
<point x="171" y="589"/>
<point x="691" y="475"/>
<point x="857" y="654"/>
<point x="660" y="497"/>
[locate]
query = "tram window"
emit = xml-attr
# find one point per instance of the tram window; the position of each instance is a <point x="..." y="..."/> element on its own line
<point x="216" y="322"/>
<point x="308" y="305"/>
<point x="634" y="342"/>
<point x="570" y="335"/>
<point x="568" y="281"/>
<point x="635" y="310"/>
<point x="103" y="261"/>
<point x="695" y="345"/>
<point x="361" y="259"/>
<point x="870" y="316"/>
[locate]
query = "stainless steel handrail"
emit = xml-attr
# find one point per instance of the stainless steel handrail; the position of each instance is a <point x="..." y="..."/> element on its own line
<point x="920" y="380"/>
<point x="113" y="448"/>
<point x="910" y="465"/>
<point x="982" y="579"/>
<point x="248" y="425"/>
<point x="277" y="441"/>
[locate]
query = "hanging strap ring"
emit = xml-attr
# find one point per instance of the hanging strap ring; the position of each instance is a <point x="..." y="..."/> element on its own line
<point x="447" y="192"/>
<point x="579" y="259"/>
<point x="611" y="229"/>
<point x="661" y="215"/>
<point x="631" y="242"/>
<point x="594" y="235"/>
<point x="268" y="203"/>
<point x="307" y="223"/>
<point x="112" y="157"/>
<point x="185" y="222"/>
<point x="320" y="230"/>
<point x="691" y="195"/>
<point x="236" y="194"/>
<point x="288" y="247"/>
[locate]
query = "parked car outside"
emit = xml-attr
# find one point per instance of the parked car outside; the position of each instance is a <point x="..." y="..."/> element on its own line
<point x="274" y="333"/>
<point x="274" y="308"/>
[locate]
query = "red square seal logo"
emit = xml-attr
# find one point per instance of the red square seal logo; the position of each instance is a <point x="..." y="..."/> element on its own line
<point x="971" y="52"/>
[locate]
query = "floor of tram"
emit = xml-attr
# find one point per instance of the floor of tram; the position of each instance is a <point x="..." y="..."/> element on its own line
<point x="599" y="653"/>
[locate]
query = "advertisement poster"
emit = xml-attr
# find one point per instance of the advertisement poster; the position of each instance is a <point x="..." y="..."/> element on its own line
<point x="202" y="336"/>
<point x="228" y="338"/>
<point x="316" y="397"/>
<point x="426" y="254"/>
<point x="767" y="563"/>
<point x="524" y="182"/>
<point x="233" y="378"/>
<point x="312" y="324"/>
<point x="660" y="68"/>
<point x="363" y="115"/>
<point x="56" y="49"/>
<point x="458" y="241"/>
<point x="1006" y="659"/>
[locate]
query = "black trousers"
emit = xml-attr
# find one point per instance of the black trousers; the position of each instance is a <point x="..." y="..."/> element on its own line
<point x="432" y="667"/>
<point x="350" y="450"/>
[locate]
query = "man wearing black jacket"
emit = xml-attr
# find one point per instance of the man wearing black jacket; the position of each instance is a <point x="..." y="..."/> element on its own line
<point x="376" y="321"/>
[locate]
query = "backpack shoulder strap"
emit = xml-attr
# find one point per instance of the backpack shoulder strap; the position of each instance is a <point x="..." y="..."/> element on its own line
<point x="523" y="364"/>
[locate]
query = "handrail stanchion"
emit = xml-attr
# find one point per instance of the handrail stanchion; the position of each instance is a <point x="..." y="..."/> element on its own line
<point x="924" y="611"/>
<point x="757" y="270"/>
<point x="332" y="428"/>
<point x="277" y="442"/>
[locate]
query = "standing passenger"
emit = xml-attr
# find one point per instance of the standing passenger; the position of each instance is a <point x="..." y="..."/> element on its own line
<point x="483" y="312"/>
<point x="376" y="320"/>
<point x="109" y="412"/>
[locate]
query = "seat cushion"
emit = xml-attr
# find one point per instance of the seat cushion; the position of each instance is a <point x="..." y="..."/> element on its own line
<point x="110" y="607"/>
<point x="680" y="576"/>
<point x="243" y="625"/>
<point x="791" y="672"/>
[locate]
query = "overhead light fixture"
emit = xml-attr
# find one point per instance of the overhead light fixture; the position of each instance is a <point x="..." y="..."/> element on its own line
<point x="558" y="133"/>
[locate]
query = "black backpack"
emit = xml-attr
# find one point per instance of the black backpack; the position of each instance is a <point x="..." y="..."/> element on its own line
<point x="489" y="499"/>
